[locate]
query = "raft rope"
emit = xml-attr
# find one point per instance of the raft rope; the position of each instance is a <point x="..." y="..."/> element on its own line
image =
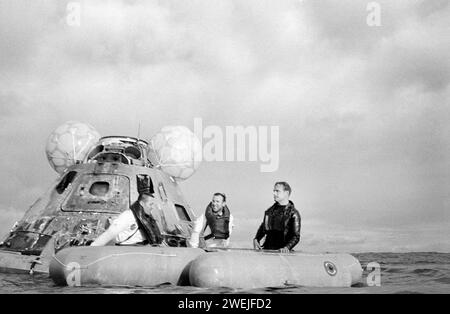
<point x="111" y="256"/>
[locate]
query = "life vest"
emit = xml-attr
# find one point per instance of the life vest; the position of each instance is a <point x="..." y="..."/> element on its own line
<point x="219" y="225"/>
<point x="147" y="224"/>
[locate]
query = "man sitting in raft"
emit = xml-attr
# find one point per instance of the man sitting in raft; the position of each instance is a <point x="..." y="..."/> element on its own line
<point x="281" y="223"/>
<point x="133" y="226"/>
<point x="219" y="220"/>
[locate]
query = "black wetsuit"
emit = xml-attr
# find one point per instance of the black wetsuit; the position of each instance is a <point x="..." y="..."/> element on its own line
<point x="281" y="226"/>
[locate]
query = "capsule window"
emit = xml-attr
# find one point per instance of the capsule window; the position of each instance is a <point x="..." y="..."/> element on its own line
<point x="64" y="183"/>
<point x="182" y="213"/>
<point x="132" y="152"/>
<point x="99" y="188"/>
<point x="100" y="193"/>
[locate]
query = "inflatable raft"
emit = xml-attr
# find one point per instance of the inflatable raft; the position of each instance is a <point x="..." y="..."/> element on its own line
<point x="122" y="265"/>
<point x="234" y="268"/>
<point x="253" y="269"/>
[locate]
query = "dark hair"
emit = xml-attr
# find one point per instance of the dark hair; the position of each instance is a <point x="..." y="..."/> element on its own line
<point x="221" y="194"/>
<point x="285" y="185"/>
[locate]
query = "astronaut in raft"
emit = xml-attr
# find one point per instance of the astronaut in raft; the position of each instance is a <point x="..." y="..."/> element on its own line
<point x="137" y="226"/>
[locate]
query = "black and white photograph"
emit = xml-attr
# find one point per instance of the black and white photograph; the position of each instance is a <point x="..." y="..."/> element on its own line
<point x="210" y="149"/>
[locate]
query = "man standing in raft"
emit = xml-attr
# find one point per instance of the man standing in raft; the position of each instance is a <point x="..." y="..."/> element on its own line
<point x="219" y="219"/>
<point x="281" y="223"/>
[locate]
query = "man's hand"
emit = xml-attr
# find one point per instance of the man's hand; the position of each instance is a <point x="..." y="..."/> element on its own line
<point x="256" y="245"/>
<point x="284" y="250"/>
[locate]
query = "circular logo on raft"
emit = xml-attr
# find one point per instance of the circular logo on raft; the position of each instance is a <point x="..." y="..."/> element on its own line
<point x="330" y="268"/>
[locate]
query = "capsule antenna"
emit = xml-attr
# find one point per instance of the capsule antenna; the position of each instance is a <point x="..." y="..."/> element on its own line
<point x="139" y="131"/>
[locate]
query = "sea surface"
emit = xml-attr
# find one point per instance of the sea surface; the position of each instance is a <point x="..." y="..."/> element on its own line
<point x="399" y="273"/>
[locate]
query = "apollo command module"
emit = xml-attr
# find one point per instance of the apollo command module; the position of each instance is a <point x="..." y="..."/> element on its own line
<point x="99" y="178"/>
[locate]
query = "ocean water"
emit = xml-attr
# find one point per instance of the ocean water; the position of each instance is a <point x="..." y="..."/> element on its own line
<point x="400" y="273"/>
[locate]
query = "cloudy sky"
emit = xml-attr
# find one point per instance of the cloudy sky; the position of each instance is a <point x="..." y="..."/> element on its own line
<point x="362" y="110"/>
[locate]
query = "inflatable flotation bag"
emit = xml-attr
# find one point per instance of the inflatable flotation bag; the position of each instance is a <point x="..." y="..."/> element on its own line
<point x="122" y="265"/>
<point x="256" y="269"/>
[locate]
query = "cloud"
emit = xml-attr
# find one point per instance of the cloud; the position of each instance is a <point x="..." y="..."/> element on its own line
<point x="362" y="111"/>
<point x="430" y="9"/>
<point x="319" y="236"/>
<point x="10" y="104"/>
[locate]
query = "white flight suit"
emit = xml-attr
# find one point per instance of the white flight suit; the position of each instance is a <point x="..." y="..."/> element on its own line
<point x="124" y="229"/>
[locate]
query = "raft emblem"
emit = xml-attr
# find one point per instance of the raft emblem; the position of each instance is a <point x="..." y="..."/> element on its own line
<point x="330" y="268"/>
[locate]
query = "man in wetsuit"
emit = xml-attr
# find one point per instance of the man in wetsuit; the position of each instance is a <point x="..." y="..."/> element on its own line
<point x="281" y="223"/>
